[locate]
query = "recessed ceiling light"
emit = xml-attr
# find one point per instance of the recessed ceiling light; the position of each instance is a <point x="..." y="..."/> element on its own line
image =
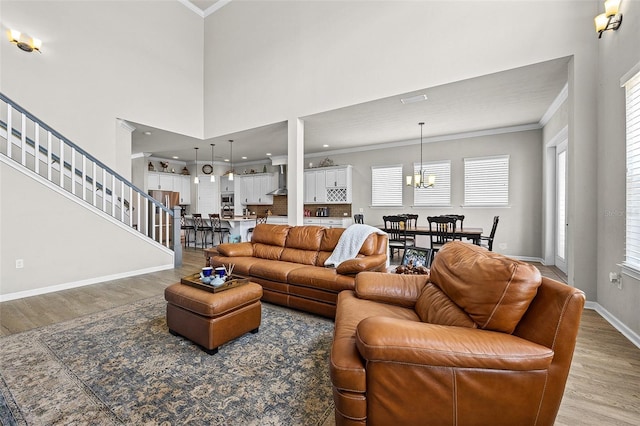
<point x="226" y="159"/>
<point x="244" y="158"/>
<point x="413" y="99"/>
<point x="325" y="146"/>
<point x="268" y="154"/>
<point x="175" y="157"/>
<point x="147" y="133"/>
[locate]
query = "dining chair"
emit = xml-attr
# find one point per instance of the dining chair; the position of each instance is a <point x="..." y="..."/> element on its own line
<point x="460" y="221"/>
<point x="260" y="218"/>
<point x="395" y="227"/>
<point x="217" y="228"/>
<point x="187" y="228"/>
<point x="358" y="218"/>
<point x="200" y="226"/>
<point x="487" y="241"/>
<point x="442" y="229"/>
<point x="411" y="223"/>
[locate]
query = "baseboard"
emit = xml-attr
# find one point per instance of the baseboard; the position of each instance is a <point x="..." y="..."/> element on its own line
<point x="615" y="322"/>
<point x="527" y="258"/>
<point x="82" y="283"/>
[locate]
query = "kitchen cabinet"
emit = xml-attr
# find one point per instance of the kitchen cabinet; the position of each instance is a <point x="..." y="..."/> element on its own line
<point x="328" y="185"/>
<point x="328" y="222"/>
<point x="226" y="185"/>
<point x="171" y="182"/>
<point x="252" y="189"/>
<point x="315" y="186"/>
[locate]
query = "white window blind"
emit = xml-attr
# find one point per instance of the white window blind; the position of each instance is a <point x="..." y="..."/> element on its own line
<point x="486" y="181"/>
<point x="440" y="193"/>
<point x="632" y="250"/>
<point x="386" y="185"/>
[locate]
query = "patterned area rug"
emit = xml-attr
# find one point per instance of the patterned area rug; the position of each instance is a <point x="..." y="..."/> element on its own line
<point x="122" y="366"/>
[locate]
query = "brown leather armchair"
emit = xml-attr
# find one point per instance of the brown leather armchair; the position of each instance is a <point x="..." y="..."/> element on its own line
<point x="483" y="340"/>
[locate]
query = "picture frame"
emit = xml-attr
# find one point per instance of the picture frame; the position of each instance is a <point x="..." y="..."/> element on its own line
<point x="418" y="256"/>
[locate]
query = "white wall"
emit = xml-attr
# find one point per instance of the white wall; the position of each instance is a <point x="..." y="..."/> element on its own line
<point x="519" y="223"/>
<point x="62" y="243"/>
<point x="101" y="60"/>
<point x="618" y="53"/>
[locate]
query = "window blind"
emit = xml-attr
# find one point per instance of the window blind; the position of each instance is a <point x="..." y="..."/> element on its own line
<point x="486" y="181"/>
<point x="440" y="193"/>
<point x="632" y="249"/>
<point x="386" y="185"/>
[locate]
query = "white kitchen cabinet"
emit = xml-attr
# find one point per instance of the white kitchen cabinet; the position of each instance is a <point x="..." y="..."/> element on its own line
<point x="253" y="189"/>
<point x="182" y="184"/>
<point x="328" y="222"/>
<point x="171" y="182"/>
<point x="226" y="185"/>
<point x="329" y="185"/>
<point x="315" y="186"/>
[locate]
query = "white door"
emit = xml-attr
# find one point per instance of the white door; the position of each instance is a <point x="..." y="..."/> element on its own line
<point x="561" y="207"/>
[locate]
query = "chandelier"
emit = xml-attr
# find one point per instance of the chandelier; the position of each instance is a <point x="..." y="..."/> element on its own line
<point x="421" y="179"/>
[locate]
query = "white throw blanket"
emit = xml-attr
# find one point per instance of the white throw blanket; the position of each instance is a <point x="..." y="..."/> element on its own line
<point x="350" y="243"/>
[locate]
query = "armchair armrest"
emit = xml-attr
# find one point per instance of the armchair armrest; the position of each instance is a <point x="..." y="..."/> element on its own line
<point x="244" y="249"/>
<point x="396" y="289"/>
<point x="411" y="342"/>
<point x="360" y="264"/>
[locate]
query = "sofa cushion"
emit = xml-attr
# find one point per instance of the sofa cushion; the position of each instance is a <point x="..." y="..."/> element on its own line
<point x="434" y="307"/>
<point x="242" y="265"/>
<point x="272" y="235"/>
<point x="330" y="238"/>
<point x="302" y="244"/>
<point x="274" y="270"/>
<point x="323" y="278"/>
<point x="494" y="290"/>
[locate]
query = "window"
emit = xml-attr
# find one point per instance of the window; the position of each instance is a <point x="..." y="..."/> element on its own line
<point x="632" y="249"/>
<point x="440" y="193"/>
<point x="486" y="181"/>
<point x="386" y="186"/>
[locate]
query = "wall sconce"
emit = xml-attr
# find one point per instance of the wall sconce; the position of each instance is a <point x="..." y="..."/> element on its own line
<point x="30" y="46"/>
<point x="610" y="19"/>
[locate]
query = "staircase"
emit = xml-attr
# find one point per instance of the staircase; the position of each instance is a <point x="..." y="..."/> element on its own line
<point x="37" y="150"/>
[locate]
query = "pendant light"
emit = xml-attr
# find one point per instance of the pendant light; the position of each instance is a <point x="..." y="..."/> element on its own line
<point x="195" y="179"/>
<point x="213" y="175"/>
<point x="421" y="179"/>
<point x="231" y="159"/>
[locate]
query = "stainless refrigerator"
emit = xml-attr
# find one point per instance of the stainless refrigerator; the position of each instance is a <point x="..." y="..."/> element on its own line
<point x="169" y="199"/>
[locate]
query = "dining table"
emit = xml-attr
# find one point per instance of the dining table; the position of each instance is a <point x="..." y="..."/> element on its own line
<point x="472" y="234"/>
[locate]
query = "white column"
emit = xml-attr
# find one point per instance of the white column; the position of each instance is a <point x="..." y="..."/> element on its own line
<point x="295" y="171"/>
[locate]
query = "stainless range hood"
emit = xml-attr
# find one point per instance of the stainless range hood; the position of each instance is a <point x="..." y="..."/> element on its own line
<point x="282" y="182"/>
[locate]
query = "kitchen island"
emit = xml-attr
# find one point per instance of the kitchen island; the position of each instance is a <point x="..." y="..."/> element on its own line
<point x="240" y="225"/>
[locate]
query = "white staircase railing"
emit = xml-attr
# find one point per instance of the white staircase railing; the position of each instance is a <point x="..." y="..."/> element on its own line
<point x="28" y="141"/>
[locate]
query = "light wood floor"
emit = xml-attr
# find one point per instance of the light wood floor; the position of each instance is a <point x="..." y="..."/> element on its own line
<point x="603" y="386"/>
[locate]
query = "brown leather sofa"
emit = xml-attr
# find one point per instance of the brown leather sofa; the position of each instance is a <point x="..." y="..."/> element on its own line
<point x="483" y="340"/>
<point x="288" y="261"/>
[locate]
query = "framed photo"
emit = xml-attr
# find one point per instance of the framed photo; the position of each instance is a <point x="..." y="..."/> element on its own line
<point x="417" y="256"/>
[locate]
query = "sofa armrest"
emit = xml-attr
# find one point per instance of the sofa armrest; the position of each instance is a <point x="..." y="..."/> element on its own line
<point x="387" y="339"/>
<point x="236" y="249"/>
<point x="360" y="264"/>
<point x="395" y="289"/>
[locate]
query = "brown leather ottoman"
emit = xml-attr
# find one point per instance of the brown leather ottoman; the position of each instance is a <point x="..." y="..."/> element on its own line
<point x="212" y="319"/>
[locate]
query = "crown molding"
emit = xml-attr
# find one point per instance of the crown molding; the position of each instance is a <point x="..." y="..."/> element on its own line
<point x="443" y="138"/>
<point x="210" y="10"/>
<point x="217" y="6"/>
<point x="555" y="105"/>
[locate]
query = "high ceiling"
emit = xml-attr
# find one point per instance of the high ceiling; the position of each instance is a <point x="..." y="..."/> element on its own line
<point x="515" y="97"/>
